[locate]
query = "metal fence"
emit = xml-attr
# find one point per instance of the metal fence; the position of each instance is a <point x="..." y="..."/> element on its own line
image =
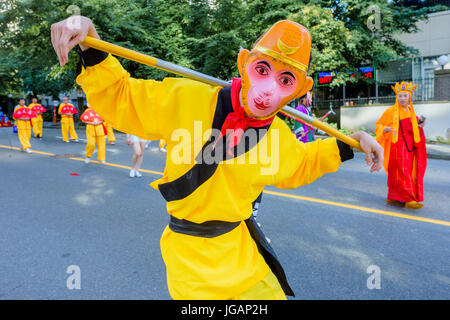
<point x="351" y="102"/>
<point x="424" y="92"/>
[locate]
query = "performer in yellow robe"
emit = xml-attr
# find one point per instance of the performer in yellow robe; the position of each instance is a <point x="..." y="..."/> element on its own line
<point x="110" y="133"/>
<point x="401" y="134"/>
<point x="67" y="124"/>
<point x="212" y="248"/>
<point x="23" y="128"/>
<point x="95" y="134"/>
<point x="38" y="121"/>
<point x="162" y="145"/>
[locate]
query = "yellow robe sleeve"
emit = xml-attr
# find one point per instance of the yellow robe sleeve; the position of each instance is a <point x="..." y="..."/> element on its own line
<point x="149" y="109"/>
<point x="303" y="163"/>
<point x="386" y="120"/>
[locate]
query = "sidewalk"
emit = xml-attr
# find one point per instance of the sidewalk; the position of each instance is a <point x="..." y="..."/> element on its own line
<point x="438" y="151"/>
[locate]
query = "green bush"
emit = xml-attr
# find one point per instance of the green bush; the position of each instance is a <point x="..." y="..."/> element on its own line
<point x="441" y="140"/>
<point x="48" y="116"/>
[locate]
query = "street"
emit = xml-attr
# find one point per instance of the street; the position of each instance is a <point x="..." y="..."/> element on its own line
<point x="57" y="211"/>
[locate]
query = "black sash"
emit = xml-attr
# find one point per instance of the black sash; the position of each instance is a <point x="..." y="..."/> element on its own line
<point x="208" y="229"/>
<point x="211" y="229"/>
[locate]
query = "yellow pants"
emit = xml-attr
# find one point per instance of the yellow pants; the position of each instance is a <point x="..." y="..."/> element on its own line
<point x="37" y="126"/>
<point x="110" y="132"/>
<point x="267" y="289"/>
<point x="24" y="133"/>
<point x="95" y="135"/>
<point x="67" y="127"/>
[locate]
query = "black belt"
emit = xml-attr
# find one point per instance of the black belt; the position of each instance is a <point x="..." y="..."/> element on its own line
<point x="208" y="229"/>
<point x="211" y="229"/>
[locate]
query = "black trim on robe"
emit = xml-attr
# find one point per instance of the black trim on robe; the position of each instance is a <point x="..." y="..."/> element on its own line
<point x="269" y="255"/>
<point x="345" y="151"/>
<point x="208" y="160"/>
<point x="91" y="56"/>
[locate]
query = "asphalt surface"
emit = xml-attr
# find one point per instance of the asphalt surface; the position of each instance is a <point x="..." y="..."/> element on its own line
<point x="326" y="234"/>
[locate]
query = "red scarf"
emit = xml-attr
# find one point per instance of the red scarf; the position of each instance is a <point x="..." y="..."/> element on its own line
<point x="238" y="121"/>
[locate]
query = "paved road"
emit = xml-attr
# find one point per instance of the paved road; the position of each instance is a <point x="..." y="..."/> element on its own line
<point x="327" y="234"/>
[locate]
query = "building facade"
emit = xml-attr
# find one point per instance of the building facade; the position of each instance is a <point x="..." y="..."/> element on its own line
<point x="431" y="42"/>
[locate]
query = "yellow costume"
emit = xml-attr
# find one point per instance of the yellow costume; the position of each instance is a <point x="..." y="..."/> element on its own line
<point x="37" y="122"/>
<point x="95" y="134"/>
<point x="23" y="131"/>
<point x="228" y="265"/>
<point x="67" y="124"/>
<point x="110" y="133"/>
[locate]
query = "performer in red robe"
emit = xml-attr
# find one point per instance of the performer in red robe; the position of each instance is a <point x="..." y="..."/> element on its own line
<point x="401" y="134"/>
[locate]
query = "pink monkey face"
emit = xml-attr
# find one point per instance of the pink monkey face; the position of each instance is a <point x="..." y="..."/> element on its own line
<point x="272" y="85"/>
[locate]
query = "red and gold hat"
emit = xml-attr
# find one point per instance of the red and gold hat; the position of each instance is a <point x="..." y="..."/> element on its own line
<point x="408" y="88"/>
<point x="404" y="87"/>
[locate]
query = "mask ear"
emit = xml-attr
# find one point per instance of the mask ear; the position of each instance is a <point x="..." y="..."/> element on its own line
<point x="309" y="82"/>
<point x="242" y="57"/>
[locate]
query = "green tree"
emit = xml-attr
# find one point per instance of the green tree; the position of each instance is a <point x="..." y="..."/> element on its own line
<point x="342" y="39"/>
<point x="201" y="34"/>
<point x="214" y="35"/>
<point x="24" y="33"/>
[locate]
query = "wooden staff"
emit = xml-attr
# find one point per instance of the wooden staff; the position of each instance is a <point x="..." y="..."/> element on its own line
<point x="191" y="74"/>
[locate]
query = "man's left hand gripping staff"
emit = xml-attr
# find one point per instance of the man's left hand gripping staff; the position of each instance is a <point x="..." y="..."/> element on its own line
<point x="68" y="33"/>
<point x="373" y="150"/>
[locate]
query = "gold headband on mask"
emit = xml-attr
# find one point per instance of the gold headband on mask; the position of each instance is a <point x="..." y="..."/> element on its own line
<point x="281" y="57"/>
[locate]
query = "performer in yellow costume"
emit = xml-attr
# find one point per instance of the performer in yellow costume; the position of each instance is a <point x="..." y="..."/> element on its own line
<point x="162" y="145"/>
<point x="38" y="121"/>
<point x="95" y="134"/>
<point x="67" y="124"/>
<point x="23" y="127"/>
<point x="212" y="247"/>
<point x="110" y="133"/>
